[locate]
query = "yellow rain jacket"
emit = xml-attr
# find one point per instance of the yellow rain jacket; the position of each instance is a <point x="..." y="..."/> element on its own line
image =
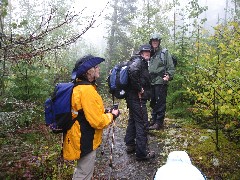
<point x="86" y="133"/>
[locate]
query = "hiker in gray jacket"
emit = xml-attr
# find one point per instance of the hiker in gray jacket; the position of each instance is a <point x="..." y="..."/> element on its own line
<point x="161" y="69"/>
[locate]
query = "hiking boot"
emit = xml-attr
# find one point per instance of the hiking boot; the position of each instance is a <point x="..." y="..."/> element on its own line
<point x="130" y="149"/>
<point x="155" y="127"/>
<point x="150" y="155"/>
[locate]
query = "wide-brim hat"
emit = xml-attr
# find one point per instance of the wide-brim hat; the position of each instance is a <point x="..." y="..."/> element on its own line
<point x="84" y="64"/>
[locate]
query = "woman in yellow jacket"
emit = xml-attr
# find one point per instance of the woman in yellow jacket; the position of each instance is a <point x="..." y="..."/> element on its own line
<point x="85" y="136"/>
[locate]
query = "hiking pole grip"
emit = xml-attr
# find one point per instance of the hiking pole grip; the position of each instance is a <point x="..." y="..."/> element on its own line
<point x="115" y="106"/>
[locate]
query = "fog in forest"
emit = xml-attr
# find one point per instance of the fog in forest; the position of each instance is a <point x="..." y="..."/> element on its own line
<point x="215" y="12"/>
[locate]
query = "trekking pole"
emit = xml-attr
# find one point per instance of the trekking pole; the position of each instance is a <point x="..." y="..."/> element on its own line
<point x="113" y="99"/>
<point x="105" y="144"/>
<point x="115" y="106"/>
<point x="109" y="130"/>
<point x="112" y="145"/>
<point x="111" y="149"/>
<point x="103" y="150"/>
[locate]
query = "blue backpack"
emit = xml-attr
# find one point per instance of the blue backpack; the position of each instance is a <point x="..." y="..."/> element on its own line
<point x="58" y="112"/>
<point x="118" y="79"/>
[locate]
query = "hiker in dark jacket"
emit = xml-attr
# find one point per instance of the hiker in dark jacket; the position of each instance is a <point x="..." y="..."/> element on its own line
<point x="138" y="94"/>
<point x="161" y="69"/>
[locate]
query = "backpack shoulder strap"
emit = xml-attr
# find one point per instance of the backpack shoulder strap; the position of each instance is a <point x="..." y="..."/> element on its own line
<point x="162" y="54"/>
<point x="162" y="57"/>
<point x="80" y="113"/>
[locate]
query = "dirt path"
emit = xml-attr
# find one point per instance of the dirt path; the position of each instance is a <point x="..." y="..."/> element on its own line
<point x="124" y="165"/>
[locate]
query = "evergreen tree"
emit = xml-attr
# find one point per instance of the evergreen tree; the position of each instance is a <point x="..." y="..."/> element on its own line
<point x="119" y="45"/>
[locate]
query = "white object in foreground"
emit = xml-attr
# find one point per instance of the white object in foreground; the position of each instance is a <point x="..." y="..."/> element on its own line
<point x="178" y="167"/>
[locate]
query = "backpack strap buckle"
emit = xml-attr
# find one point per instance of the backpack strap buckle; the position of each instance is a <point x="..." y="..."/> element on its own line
<point x="74" y="112"/>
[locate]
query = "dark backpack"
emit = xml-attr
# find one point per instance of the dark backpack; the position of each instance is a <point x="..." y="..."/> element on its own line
<point x="118" y="79"/>
<point x="58" y="112"/>
<point x="174" y="58"/>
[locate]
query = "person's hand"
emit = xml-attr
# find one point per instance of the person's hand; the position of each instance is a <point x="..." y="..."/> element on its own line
<point x="115" y="113"/>
<point x="166" y="77"/>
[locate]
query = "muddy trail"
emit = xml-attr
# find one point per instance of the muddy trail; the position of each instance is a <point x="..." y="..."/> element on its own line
<point x="115" y="163"/>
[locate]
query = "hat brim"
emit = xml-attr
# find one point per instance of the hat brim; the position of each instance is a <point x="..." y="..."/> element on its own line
<point x="84" y="67"/>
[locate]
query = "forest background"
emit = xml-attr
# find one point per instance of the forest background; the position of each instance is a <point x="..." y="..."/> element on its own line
<point x="40" y="42"/>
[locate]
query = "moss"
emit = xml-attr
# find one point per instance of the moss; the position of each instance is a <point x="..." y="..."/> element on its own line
<point x="206" y="156"/>
<point x="201" y="146"/>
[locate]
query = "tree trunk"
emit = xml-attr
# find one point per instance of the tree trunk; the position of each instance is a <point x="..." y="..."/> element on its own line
<point x="111" y="41"/>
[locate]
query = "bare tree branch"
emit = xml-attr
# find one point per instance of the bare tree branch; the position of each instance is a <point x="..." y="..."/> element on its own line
<point x="36" y="44"/>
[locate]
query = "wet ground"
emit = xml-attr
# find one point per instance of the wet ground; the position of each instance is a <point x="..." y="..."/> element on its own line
<point x="115" y="163"/>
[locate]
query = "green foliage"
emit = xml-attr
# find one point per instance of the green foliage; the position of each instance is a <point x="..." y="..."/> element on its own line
<point x="179" y="100"/>
<point x="27" y="82"/>
<point x="152" y="18"/>
<point x="3" y="5"/>
<point x="195" y="9"/>
<point x="215" y="82"/>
